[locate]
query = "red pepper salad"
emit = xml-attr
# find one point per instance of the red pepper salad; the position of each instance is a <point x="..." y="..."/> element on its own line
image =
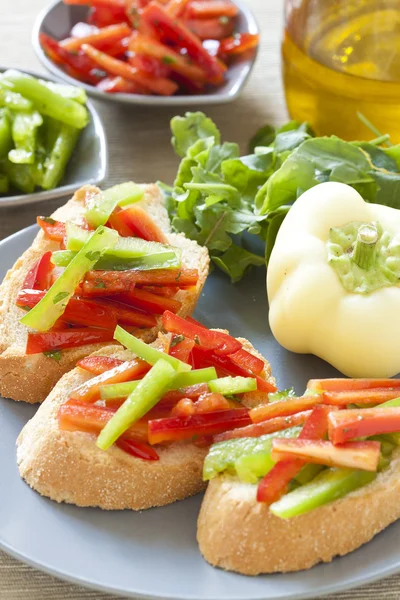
<point x="114" y="267"/>
<point x="152" y="47"/>
<point x="192" y="390"/>
<point x="302" y="453"/>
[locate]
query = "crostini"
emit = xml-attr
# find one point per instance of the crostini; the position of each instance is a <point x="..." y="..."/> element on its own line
<point x="309" y="480"/>
<point x="145" y="270"/>
<point x="153" y="409"/>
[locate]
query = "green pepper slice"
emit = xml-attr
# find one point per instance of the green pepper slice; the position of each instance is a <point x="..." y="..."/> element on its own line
<point x="43" y="316"/>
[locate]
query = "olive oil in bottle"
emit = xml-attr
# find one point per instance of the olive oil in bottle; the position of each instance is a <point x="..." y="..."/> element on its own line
<point x="341" y="57"/>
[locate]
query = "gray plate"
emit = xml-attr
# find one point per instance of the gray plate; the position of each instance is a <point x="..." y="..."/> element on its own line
<point x="88" y="164"/>
<point x="58" y="19"/>
<point x="154" y="554"/>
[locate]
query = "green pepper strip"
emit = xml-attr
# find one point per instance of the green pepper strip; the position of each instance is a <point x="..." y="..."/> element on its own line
<point x="43" y="316"/>
<point x="125" y="248"/>
<point x="142" y="399"/>
<point x="163" y="260"/>
<point x="101" y="205"/>
<point x="228" y="386"/>
<point x="329" y="485"/>
<point x="45" y="100"/>
<point x="145" y="352"/>
<point x="182" y="380"/>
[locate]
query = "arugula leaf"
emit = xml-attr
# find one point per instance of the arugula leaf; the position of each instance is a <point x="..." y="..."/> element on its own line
<point x="236" y="261"/>
<point x="189" y="129"/>
<point x="263" y="137"/>
<point x="314" y="161"/>
<point x="379" y="157"/>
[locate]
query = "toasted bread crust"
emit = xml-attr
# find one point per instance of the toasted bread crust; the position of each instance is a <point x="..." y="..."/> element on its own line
<point x="237" y="533"/>
<point x="68" y="467"/>
<point x="31" y="378"/>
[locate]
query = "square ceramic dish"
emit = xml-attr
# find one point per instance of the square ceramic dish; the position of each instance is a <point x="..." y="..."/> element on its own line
<point x="88" y="164"/>
<point x="58" y="19"/>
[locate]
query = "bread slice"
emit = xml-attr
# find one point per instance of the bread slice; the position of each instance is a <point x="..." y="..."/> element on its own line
<point x="30" y="378"/>
<point x="237" y="533"/>
<point x="68" y="467"/>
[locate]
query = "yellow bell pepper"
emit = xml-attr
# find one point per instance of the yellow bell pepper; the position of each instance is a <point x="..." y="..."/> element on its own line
<point x="334" y="281"/>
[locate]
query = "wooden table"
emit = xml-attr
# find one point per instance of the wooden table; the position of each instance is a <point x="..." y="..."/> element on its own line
<point x="139" y="149"/>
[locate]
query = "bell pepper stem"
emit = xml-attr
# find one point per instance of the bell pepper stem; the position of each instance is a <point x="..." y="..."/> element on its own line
<point x="365" y="246"/>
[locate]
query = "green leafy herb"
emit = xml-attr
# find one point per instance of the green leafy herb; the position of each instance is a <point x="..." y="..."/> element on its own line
<point x="56" y="355"/>
<point x="100" y="284"/>
<point x="168" y="60"/>
<point x="176" y="339"/>
<point x="226" y="201"/>
<point x="59" y="297"/>
<point x="282" y="395"/>
<point x="48" y="220"/>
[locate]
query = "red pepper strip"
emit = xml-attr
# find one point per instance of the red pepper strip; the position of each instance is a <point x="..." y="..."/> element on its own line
<point x="213" y="28"/>
<point x="103" y="16"/>
<point x="193" y="392"/>
<point x="226" y="366"/>
<point x="167" y="292"/>
<point x="181" y="348"/>
<point x="150" y="302"/>
<point x="78" y="311"/>
<point x="346" y="425"/>
<point x="353" y="455"/>
<point x="275" y="483"/>
<point x="119" y="85"/>
<point x="146" y="45"/>
<point x="191" y="87"/>
<point x="137" y="449"/>
<point x="98" y="39"/>
<point x="374" y="396"/>
<point x="221" y="343"/>
<point x="126" y="314"/>
<point x="248" y="361"/>
<point x="77" y="63"/>
<point x="283" y="408"/>
<point x="270" y="426"/>
<point x="347" y="385"/>
<point x="175" y="8"/>
<point x="241" y="42"/>
<point x="114" y="221"/>
<point x="98" y="364"/>
<point x="51" y="341"/>
<point x="142" y="225"/>
<point x="38" y="277"/>
<point x="53" y="230"/>
<point x="184" y="428"/>
<point x="150" y="65"/>
<point x="203" y="9"/>
<point x="127" y="371"/>
<point x="88" y="418"/>
<point x="161" y="86"/>
<point x="123" y="281"/>
<point x="147" y="301"/>
<point x="173" y="32"/>
<point x="109" y="3"/>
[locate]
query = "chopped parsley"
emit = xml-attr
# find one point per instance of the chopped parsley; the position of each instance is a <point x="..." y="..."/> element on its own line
<point x="176" y="339"/>
<point x="48" y="220"/>
<point x="168" y="60"/>
<point x="100" y="284"/>
<point x="56" y="355"/>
